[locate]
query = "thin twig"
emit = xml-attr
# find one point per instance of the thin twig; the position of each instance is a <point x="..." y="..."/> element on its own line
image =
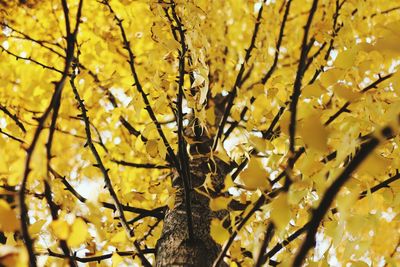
<point x="14" y="117"/>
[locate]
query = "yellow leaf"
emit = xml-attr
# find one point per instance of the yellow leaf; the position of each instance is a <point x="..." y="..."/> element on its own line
<point x="389" y="43"/>
<point x="152" y="148"/>
<point x="280" y="213"/>
<point x="36" y="227"/>
<point x="119" y="237"/>
<point x="284" y="123"/>
<point x="374" y="165"/>
<point x="116" y="259"/>
<point x="171" y="202"/>
<point x="162" y="150"/>
<point x="331" y="76"/>
<point x="8" y="218"/>
<point x="258" y="89"/>
<point x="346" y="59"/>
<point x="260" y="144"/>
<point x="228" y="182"/>
<point x="314" y="133"/>
<point x="79" y="232"/>
<point x="60" y="229"/>
<point x="313" y="90"/>
<point x="345" y="92"/>
<point x="218" y="232"/>
<point x="219" y="203"/>
<point x="210" y="114"/>
<point x="255" y="176"/>
<point x="221" y="153"/>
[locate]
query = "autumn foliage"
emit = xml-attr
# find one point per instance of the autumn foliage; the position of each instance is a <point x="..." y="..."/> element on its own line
<point x="277" y="121"/>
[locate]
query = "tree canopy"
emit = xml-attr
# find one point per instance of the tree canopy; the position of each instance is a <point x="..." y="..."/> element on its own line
<point x="248" y="132"/>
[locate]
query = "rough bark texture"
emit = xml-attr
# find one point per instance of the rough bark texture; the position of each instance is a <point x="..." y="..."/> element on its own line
<point x="174" y="247"/>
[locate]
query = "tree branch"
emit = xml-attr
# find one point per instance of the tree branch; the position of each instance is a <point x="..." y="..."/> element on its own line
<point x="182" y="152"/>
<point x="319" y="213"/>
<point x="131" y="61"/>
<point x="14" y="117"/>
<point x="269" y="73"/>
<point x="141" y="165"/>
<point x="100" y="257"/>
<point x="31" y="60"/>
<point x="71" y="37"/>
<point x="107" y="179"/>
<point x="303" y="229"/>
<point x="305" y="48"/>
<point x="232" y="94"/>
<point x="54" y="214"/>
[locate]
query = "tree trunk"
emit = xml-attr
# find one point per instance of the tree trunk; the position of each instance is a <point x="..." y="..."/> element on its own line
<point x="174" y="247"/>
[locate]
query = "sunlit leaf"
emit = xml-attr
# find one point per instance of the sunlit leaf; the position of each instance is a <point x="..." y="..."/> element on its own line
<point x="255" y="176"/>
<point x="218" y="232"/>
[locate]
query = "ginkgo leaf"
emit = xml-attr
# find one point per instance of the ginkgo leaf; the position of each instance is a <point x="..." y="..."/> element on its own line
<point x="346" y="92"/>
<point x="78" y="233"/>
<point x="313" y="90"/>
<point x="119" y="237"/>
<point x="210" y="113"/>
<point x="60" y="229"/>
<point x="331" y="77"/>
<point x="171" y="201"/>
<point x="255" y="176"/>
<point x="280" y="213"/>
<point x="219" y="203"/>
<point x="228" y="182"/>
<point x="152" y="148"/>
<point x="162" y="150"/>
<point x="221" y="153"/>
<point x="346" y="59"/>
<point x="314" y="133"/>
<point x="259" y="143"/>
<point x="116" y="259"/>
<point x="374" y="165"/>
<point x="8" y="218"/>
<point x="35" y="228"/>
<point x="284" y="123"/>
<point x="218" y="232"/>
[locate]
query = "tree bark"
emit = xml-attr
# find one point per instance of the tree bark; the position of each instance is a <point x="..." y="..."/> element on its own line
<point x="174" y="247"/>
